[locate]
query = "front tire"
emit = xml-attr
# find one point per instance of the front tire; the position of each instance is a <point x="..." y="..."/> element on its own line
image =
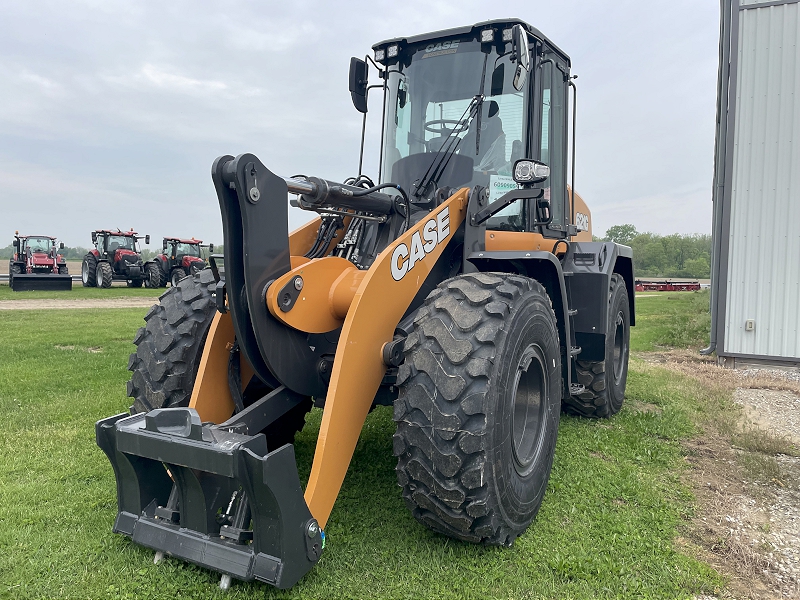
<point x="168" y="352"/>
<point x="103" y="275"/>
<point x="605" y="380"/>
<point x="89" y="270"/>
<point x="63" y="270"/>
<point x="177" y="274"/>
<point x="169" y="346"/>
<point x="479" y="404"/>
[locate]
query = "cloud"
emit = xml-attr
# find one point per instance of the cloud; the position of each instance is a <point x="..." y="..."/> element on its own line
<point x="114" y="110"/>
<point x="179" y="83"/>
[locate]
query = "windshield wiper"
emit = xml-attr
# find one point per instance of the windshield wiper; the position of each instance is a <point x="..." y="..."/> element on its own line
<point x="447" y="150"/>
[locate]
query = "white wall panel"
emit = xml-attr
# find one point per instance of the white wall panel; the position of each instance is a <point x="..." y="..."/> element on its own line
<point x="763" y="279"/>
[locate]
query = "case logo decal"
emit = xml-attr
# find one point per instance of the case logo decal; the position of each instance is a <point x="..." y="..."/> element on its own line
<point x="434" y="232"/>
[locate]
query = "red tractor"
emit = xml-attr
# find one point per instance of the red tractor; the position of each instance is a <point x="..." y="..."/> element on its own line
<point x="179" y="258"/>
<point x="115" y="257"/>
<point x="36" y="265"/>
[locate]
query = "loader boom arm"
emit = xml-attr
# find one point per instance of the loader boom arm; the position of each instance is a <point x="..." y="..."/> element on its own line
<point x="382" y="298"/>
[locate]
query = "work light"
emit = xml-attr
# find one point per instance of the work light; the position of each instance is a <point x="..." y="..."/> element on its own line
<point x="380" y="54"/>
<point x="392" y="51"/>
<point x="487" y="36"/>
<point x="530" y="171"/>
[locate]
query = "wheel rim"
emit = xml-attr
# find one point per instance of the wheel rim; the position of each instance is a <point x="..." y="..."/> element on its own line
<point x="98" y="275"/>
<point x="85" y="272"/>
<point x="620" y="346"/>
<point x="176" y="277"/>
<point x="529" y="394"/>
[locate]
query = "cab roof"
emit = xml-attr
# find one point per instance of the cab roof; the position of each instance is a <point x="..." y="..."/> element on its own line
<point x="472" y="30"/>
<point x="25" y="237"/>
<point x="130" y="233"/>
<point x="182" y="240"/>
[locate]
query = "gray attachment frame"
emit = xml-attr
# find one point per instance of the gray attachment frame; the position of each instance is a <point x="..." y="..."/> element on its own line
<point x="208" y="464"/>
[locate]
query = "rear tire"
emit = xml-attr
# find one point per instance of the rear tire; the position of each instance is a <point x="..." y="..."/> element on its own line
<point x="103" y="275"/>
<point x="154" y="277"/>
<point x="89" y="270"/>
<point x="479" y="404"/>
<point x="605" y="380"/>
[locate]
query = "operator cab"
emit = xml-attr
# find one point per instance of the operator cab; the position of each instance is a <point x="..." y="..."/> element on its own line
<point x="460" y="111"/>
<point x="38" y="245"/>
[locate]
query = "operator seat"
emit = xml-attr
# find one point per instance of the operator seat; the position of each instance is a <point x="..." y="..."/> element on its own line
<point x="491" y="129"/>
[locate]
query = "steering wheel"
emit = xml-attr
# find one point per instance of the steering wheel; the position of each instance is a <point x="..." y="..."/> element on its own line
<point x="442" y="130"/>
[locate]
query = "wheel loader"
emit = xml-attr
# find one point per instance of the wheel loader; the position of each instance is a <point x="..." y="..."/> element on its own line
<point x="37" y="265"/>
<point x="462" y="289"/>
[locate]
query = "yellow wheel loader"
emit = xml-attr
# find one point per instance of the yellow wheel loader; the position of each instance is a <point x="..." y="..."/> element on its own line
<point x="463" y="289"/>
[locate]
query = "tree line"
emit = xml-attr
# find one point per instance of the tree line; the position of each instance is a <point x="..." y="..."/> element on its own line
<point x="657" y="255"/>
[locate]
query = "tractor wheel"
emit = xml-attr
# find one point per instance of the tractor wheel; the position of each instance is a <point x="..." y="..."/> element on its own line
<point x="135" y="283"/>
<point x="103" y="275"/>
<point x="154" y="276"/>
<point x="195" y="269"/>
<point x="63" y="270"/>
<point x="168" y="352"/>
<point x="605" y="380"/>
<point x="13" y="270"/>
<point x="177" y="274"/>
<point x="89" y="270"/>
<point x="479" y="404"/>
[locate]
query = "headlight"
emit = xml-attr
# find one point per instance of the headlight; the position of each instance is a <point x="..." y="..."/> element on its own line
<point x="530" y="171"/>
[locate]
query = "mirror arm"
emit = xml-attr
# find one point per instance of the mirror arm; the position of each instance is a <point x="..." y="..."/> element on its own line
<point x="503" y="201"/>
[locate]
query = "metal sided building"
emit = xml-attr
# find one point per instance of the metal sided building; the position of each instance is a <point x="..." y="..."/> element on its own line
<point x="755" y="289"/>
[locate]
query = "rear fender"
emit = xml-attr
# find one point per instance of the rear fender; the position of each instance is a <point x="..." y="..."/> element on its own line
<point x="592" y="265"/>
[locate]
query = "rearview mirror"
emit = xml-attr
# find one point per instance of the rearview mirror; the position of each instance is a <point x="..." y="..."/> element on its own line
<point x="358" y="84"/>
<point x="519" y="43"/>
<point x="147" y="239"/>
<point x="210" y="248"/>
<point x="164" y="246"/>
<point x="61" y="246"/>
<point x="94" y="237"/>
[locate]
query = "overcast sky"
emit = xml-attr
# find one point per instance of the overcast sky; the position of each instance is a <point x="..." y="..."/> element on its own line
<point x="112" y="111"/>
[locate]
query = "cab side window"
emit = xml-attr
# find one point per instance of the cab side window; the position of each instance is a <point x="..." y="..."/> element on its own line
<point x="552" y="138"/>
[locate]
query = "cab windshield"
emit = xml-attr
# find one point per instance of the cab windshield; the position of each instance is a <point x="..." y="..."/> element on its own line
<point x="121" y="242"/>
<point x="39" y="244"/>
<point x="453" y="115"/>
<point x="187" y="250"/>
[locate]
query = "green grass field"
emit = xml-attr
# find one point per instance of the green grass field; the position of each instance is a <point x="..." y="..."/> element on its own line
<point x="607" y="528"/>
<point x="79" y="292"/>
